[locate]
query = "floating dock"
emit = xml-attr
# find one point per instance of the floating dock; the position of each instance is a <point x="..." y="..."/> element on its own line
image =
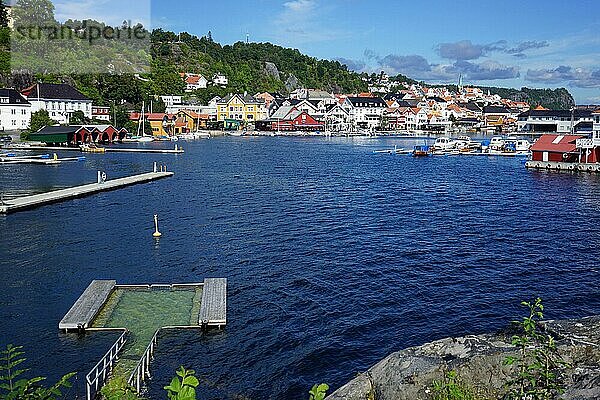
<point x="45" y="159"/>
<point x="104" y="305"/>
<point x="213" y="308"/>
<point x="85" y="309"/>
<point x="37" y="200"/>
<point x="562" y="166"/>
<point x="176" y="150"/>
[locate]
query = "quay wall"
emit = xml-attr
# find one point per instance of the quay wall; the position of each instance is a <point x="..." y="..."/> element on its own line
<point x="562" y="166"/>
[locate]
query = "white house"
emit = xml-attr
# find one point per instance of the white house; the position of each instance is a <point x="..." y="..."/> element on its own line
<point x="556" y="121"/>
<point x="220" y="80"/>
<point x="60" y="100"/>
<point x="15" y="110"/>
<point x="194" y="82"/>
<point x="365" y="112"/>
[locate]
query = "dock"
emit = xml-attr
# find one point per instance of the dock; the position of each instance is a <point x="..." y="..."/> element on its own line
<point x="213" y="309"/>
<point x="176" y="150"/>
<point x="37" y="200"/>
<point x="98" y="309"/>
<point x="562" y="166"/>
<point x="85" y="309"/>
<point x="45" y="159"/>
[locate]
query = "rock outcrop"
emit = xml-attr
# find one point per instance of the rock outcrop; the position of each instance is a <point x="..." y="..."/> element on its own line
<point x="478" y="360"/>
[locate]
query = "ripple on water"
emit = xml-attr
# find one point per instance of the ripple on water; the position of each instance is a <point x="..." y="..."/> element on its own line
<point x="335" y="256"/>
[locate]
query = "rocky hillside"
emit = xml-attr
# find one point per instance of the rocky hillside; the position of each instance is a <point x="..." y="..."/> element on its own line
<point x="479" y="363"/>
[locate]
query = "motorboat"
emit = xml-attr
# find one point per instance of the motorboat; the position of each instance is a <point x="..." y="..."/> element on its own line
<point x="444" y="144"/>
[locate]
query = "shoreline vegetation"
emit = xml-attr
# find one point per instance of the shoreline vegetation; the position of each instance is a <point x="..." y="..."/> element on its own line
<point x="531" y="360"/>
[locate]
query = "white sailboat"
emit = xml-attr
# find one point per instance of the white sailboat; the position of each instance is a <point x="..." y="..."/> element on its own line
<point x="141" y="126"/>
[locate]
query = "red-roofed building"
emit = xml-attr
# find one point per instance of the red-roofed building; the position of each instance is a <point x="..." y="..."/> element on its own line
<point x="194" y="81"/>
<point x="556" y="148"/>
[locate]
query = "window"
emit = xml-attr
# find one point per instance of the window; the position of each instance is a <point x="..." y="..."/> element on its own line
<point x="4" y="100"/>
<point x="249" y="116"/>
<point x="14" y="122"/>
<point x="230" y="108"/>
<point x="13" y="111"/>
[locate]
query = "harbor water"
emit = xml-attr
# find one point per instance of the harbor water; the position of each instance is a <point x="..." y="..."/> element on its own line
<point x="335" y="256"/>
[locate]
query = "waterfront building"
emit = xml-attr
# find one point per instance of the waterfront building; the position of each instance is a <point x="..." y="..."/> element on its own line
<point x="289" y="118"/>
<point x="59" y="99"/>
<point x="101" y="113"/>
<point x="365" y="112"/>
<point x="15" y="111"/>
<point x="336" y="118"/>
<point x="240" y="107"/>
<point x="189" y="121"/>
<point x="590" y="147"/>
<point x="556" y="121"/>
<point x="556" y="148"/>
<point x="497" y="117"/>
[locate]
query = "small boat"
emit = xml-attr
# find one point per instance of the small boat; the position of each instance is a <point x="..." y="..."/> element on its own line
<point x="92" y="148"/>
<point x="421" y="151"/>
<point x="444" y="144"/>
<point x="236" y="133"/>
<point x="496" y="145"/>
<point x="465" y="144"/>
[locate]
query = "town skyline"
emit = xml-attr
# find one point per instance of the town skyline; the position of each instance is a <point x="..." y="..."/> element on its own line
<point x="546" y="47"/>
<point x="514" y="45"/>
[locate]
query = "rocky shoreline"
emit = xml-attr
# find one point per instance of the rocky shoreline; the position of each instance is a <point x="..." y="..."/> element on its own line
<point x="478" y="360"/>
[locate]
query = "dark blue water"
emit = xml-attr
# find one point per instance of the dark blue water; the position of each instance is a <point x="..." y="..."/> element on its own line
<point x="335" y="256"/>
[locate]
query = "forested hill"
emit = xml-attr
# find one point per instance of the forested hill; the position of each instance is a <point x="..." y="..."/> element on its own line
<point x="253" y="67"/>
<point x="555" y="99"/>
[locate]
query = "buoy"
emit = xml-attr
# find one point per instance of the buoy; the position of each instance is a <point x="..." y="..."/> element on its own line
<point x="55" y="157"/>
<point x="156" y="233"/>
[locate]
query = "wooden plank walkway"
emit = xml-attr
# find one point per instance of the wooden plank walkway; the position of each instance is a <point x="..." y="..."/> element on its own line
<point x="213" y="309"/>
<point x="177" y="150"/>
<point x="37" y="200"/>
<point x="84" y="310"/>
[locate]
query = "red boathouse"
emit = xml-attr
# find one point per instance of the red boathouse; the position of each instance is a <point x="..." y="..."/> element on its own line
<point x="556" y="148"/>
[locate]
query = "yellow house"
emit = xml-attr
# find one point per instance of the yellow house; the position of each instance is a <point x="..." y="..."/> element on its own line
<point x="241" y="107"/>
<point x="162" y="124"/>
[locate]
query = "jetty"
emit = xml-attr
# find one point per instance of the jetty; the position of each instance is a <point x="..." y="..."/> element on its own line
<point x="44" y="159"/>
<point x="106" y="306"/>
<point x="103" y="185"/>
<point x="563" y="166"/>
<point x="176" y="150"/>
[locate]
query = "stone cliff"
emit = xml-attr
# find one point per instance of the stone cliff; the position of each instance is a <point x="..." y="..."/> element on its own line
<point x="478" y="360"/>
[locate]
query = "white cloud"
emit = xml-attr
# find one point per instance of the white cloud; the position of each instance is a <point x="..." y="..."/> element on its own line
<point x="112" y="12"/>
<point x="302" y="6"/>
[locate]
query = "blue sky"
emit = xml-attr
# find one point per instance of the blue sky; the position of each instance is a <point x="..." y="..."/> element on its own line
<point x="510" y="43"/>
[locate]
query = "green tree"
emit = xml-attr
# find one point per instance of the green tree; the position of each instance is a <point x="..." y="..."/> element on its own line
<point x="38" y="13"/>
<point x="14" y="387"/>
<point x="78" y="118"/>
<point x="40" y="119"/>
<point x="3" y="15"/>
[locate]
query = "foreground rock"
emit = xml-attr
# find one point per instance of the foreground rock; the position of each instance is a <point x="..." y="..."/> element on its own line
<point x="409" y="374"/>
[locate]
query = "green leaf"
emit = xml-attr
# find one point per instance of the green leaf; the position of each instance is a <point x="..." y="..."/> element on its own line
<point x="191" y="381"/>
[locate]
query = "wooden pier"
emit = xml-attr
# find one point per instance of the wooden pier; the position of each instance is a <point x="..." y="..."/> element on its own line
<point x="562" y="166"/>
<point x="85" y="309"/>
<point x="213" y="308"/>
<point x="37" y="200"/>
<point x="176" y="150"/>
